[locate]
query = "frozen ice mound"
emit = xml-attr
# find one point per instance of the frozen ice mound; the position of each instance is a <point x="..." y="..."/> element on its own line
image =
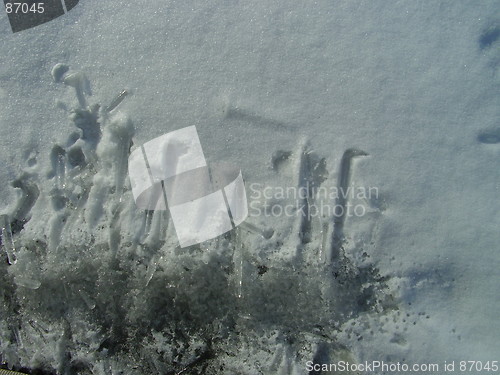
<point x="93" y="285"/>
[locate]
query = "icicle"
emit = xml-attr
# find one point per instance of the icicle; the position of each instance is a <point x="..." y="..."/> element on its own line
<point x="121" y="168"/>
<point x="7" y="240"/>
<point x="155" y="240"/>
<point x="58" y="156"/>
<point x="146" y="226"/>
<point x="26" y="282"/>
<point x="118" y="131"/>
<point x="153" y="264"/>
<point x="116" y="101"/>
<point x="324" y="239"/>
<point x="61" y="172"/>
<point x="238" y="264"/>
<point x="40" y="327"/>
<point x="17" y="335"/>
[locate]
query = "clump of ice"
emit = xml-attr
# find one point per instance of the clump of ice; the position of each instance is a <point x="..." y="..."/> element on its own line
<point x="100" y="286"/>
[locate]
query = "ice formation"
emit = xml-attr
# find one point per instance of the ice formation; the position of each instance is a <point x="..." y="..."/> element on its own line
<point x="93" y="285"/>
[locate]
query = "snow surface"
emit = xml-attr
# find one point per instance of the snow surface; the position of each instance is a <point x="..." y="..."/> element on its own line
<point x="414" y="85"/>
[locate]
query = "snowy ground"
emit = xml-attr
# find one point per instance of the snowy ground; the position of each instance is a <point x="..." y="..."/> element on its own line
<point x="281" y="90"/>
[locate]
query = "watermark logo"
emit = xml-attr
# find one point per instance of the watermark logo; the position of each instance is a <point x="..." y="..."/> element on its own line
<point x="26" y="14"/>
<point x="309" y="201"/>
<point x="171" y="171"/>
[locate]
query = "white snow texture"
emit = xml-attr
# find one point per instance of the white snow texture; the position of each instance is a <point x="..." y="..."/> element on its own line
<point x="303" y="98"/>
